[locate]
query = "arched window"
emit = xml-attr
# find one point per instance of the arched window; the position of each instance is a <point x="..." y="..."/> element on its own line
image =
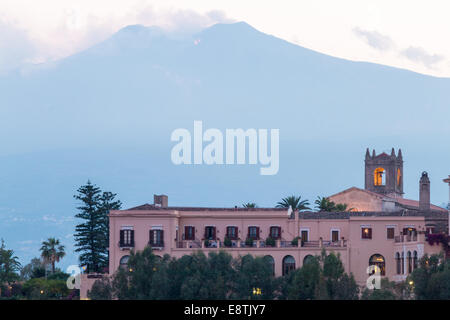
<point x="399" y="263"/>
<point x="403" y="263"/>
<point x="307" y="259"/>
<point x="415" y="259"/>
<point x="409" y="262"/>
<point x="399" y="177"/>
<point x="288" y="264"/>
<point x="379" y="177"/>
<point x="124" y="261"/>
<point x="378" y="260"/>
<point x="271" y="261"/>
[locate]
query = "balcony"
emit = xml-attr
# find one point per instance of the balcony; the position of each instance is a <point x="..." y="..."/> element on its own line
<point x="408" y="238"/>
<point x="259" y="244"/>
<point x="189" y="244"/>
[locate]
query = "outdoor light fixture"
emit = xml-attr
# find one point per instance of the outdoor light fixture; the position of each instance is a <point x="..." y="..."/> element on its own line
<point x="257" y="291"/>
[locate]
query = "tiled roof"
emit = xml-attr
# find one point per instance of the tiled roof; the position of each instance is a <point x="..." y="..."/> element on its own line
<point x="415" y="204"/>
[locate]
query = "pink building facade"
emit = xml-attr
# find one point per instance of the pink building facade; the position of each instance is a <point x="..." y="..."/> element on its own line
<point x="394" y="241"/>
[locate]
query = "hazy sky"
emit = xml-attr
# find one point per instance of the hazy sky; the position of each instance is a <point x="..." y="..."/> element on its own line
<point x="407" y="34"/>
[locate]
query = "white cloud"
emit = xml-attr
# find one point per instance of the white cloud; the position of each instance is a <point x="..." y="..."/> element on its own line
<point x="16" y="47"/>
<point x="374" y="39"/>
<point x="420" y="55"/>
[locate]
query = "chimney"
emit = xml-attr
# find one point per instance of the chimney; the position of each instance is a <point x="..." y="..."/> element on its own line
<point x="160" y="200"/>
<point x="424" y="192"/>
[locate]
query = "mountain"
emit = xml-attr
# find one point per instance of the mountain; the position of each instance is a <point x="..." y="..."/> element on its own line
<point x="107" y="114"/>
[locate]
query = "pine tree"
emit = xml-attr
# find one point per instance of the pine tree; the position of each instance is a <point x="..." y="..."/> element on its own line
<point x="107" y="203"/>
<point x="92" y="235"/>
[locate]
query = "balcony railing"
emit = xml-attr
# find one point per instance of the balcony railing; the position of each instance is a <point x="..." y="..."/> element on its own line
<point x="216" y="244"/>
<point x="406" y="238"/>
<point x="187" y="244"/>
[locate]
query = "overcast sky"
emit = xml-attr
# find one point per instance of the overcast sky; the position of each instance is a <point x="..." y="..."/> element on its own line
<point x="407" y="34"/>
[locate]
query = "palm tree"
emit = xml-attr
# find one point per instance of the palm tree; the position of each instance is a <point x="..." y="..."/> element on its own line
<point x="295" y="202"/>
<point x="9" y="265"/>
<point x="52" y="251"/>
<point x="249" y="205"/>
<point x="325" y="204"/>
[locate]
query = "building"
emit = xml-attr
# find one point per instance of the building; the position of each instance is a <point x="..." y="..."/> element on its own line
<point x="382" y="229"/>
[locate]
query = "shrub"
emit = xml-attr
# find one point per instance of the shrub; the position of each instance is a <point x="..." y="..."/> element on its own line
<point x="270" y="242"/>
<point x="294" y="241"/>
<point x="227" y="242"/>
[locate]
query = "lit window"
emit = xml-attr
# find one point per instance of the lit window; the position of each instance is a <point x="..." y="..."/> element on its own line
<point x="379" y="177"/>
<point x="366" y="233"/>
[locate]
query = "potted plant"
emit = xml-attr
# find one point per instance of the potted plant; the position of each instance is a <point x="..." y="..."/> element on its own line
<point x="207" y="243"/>
<point x="249" y="242"/>
<point x="227" y="242"/>
<point x="270" y="242"/>
<point x="294" y="241"/>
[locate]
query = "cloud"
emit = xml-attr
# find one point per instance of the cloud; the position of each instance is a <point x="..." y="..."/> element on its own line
<point x="16" y="47"/>
<point x="184" y="21"/>
<point x="418" y="54"/>
<point x="374" y="39"/>
<point x="57" y="220"/>
<point x="75" y="30"/>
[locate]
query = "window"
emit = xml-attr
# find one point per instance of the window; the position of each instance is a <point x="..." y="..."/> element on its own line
<point x="430" y="230"/>
<point x="403" y="263"/>
<point x="390" y="232"/>
<point x="124" y="261"/>
<point x="232" y="233"/>
<point x="334" y="235"/>
<point x="378" y="261"/>
<point x="304" y="234"/>
<point x="415" y="260"/>
<point x="366" y="233"/>
<point x="409" y="231"/>
<point x="398" y="263"/>
<point x="288" y="264"/>
<point x="156" y="238"/>
<point x="379" y="177"/>
<point x="409" y="261"/>
<point x="275" y="232"/>
<point x="127" y="238"/>
<point x="210" y="233"/>
<point x="308" y="259"/>
<point x="189" y="233"/>
<point x="253" y="233"/>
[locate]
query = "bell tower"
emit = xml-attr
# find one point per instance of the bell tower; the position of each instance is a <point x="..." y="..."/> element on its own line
<point x="384" y="173"/>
